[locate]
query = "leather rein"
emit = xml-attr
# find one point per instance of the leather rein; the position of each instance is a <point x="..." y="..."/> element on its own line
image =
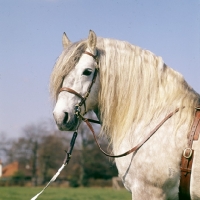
<point x="87" y="121"/>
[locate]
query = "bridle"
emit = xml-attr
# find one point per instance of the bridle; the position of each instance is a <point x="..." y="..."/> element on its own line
<point x="85" y="96"/>
<point x="87" y="121"/>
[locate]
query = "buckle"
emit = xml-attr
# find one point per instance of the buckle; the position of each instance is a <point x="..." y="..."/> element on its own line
<point x="86" y="95"/>
<point x="185" y="154"/>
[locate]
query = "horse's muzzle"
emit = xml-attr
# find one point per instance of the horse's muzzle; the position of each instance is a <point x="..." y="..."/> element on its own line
<point x="65" y="122"/>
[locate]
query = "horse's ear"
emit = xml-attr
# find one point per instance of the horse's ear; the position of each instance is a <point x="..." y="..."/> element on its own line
<point x="65" y="41"/>
<point x="92" y="41"/>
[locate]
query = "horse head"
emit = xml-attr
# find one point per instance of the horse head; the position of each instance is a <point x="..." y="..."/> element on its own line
<point x="78" y="92"/>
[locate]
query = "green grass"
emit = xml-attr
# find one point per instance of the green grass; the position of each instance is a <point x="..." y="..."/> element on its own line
<point x="57" y="193"/>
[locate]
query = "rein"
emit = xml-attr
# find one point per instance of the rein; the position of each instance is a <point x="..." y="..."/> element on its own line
<point x="135" y="148"/>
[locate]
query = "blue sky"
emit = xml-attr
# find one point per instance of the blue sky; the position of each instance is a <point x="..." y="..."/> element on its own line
<point x="30" y="42"/>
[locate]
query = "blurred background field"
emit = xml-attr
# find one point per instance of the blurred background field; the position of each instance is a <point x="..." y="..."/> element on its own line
<point x="60" y="193"/>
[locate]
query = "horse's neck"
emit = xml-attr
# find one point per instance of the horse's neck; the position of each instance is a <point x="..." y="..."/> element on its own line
<point x="169" y="128"/>
<point x="176" y="138"/>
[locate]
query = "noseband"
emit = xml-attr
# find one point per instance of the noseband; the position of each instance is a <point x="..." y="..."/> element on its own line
<point x="85" y="96"/>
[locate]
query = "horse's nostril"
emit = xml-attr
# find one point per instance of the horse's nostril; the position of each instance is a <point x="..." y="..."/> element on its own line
<point x="65" y="118"/>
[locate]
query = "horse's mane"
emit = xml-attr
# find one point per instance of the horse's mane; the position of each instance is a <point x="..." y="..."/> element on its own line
<point x="135" y="85"/>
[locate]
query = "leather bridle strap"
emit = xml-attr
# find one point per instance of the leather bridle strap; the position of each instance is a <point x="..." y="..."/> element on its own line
<point x="187" y="159"/>
<point x="137" y="146"/>
<point x="71" y="91"/>
<point x="90" y="54"/>
<point x="66" y="89"/>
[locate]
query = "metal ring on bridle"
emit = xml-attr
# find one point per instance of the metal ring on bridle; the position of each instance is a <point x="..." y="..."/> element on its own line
<point x="186" y="154"/>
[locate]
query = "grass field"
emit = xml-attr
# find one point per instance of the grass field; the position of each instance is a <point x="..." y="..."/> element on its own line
<point x="56" y="193"/>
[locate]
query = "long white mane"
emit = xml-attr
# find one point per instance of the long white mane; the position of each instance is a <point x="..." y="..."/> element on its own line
<point x="135" y="85"/>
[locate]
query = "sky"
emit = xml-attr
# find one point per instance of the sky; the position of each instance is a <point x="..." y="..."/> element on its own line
<point x="30" y="42"/>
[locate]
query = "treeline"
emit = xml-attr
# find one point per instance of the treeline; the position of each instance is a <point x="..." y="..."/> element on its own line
<point x="41" y="148"/>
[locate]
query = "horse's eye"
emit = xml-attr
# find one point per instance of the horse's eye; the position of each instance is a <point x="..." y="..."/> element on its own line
<point x="87" y="72"/>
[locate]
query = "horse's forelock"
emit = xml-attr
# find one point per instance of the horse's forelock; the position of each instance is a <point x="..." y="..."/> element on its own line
<point x="65" y="63"/>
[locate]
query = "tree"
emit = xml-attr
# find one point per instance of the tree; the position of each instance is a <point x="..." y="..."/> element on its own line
<point x="51" y="153"/>
<point x="43" y="147"/>
<point x="25" y="149"/>
<point x="4" y="146"/>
